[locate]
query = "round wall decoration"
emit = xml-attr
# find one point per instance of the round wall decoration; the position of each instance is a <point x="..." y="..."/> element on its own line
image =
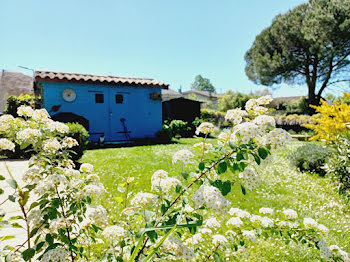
<point x="69" y="95"/>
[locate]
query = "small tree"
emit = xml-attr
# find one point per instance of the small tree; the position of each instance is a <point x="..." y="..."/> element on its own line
<point x="203" y="84"/>
<point x="232" y="100"/>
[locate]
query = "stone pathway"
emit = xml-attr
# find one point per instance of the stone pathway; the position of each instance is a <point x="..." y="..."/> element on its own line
<point x="17" y="169"/>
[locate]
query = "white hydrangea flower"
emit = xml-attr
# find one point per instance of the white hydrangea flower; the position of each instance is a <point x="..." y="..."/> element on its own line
<point x="28" y="135"/>
<point x="58" y="127"/>
<point x="239" y="213"/>
<point x="235" y="116"/>
<point x="247" y="131"/>
<point x="205" y="128"/>
<point x="260" y="110"/>
<point x="211" y="197"/>
<point x="6" y="118"/>
<point x="183" y="155"/>
<point x="32" y="175"/>
<point x="195" y="239"/>
<point x="322" y="228"/>
<point x="212" y="223"/>
<point x="86" y="168"/>
<point x="264" y="100"/>
<point x="114" y="233"/>
<point x="249" y="177"/>
<point x="204" y="230"/>
<point x="72" y="173"/>
<point x="69" y="142"/>
<point x="180" y="250"/>
<point x="235" y="221"/>
<point x="340" y="253"/>
<point x="251" y="104"/>
<point x="6" y="144"/>
<point x="309" y="223"/>
<point x="34" y="217"/>
<point x="219" y="239"/>
<point x="160" y="180"/>
<point x="277" y="138"/>
<point x="58" y="255"/>
<point x="26" y="111"/>
<point x="142" y="199"/>
<point x="264" y="120"/>
<point x="93" y="189"/>
<point x="290" y="214"/>
<point x="97" y="215"/>
<point x="225" y="136"/>
<point x="249" y="235"/>
<point x="266" y="210"/>
<point x="58" y="223"/>
<point x="266" y="222"/>
<point x="56" y="178"/>
<point x="40" y="115"/>
<point x="93" y="178"/>
<point x="51" y="145"/>
<point x="43" y="187"/>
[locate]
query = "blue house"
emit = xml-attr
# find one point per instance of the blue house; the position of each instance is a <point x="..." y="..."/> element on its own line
<point x="113" y="109"/>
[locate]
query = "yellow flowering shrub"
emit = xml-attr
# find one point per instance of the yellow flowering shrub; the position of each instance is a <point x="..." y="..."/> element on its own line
<point x="331" y="120"/>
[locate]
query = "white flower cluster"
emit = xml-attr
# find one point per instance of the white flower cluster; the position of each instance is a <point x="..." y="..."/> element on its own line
<point x="205" y="128"/>
<point x="29" y="135"/>
<point x="235" y="116"/>
<point x="161" y="181"/>
<point x="69" y="142"/>
<point x="32" y="175"/>
<point x="247" y="131"/>
<point x="257" y="104"/>
<point x="94" y="189"/>
<point x="58" y="127"/>
<point x="51" y="145"/>
<point x="264" y="120"/>
<point x="249" y="235"/>
<point x="26" y="111"/>
<point x="219" y="239"/>
<point x="225" y="137"/>
<point x="86" y="168"/>
<point x="40" y="115"/>
<point x="266" y="211"/>
<point x="262" y="221"/>
<point x="277" y="138"/>
<point x="113" y="233"/>
<point x="235" y="222"/>
<point x="183" y="155"/>
<point x="249" y="177"/>
<point x="58" y="255"/>
<point x="58" y="223"/>
<point x="212" y="223"/>
<point x="290" y="214"/>
<point x="311" y="223"/>
<point x="5" y="122"/>
<point x="34" y="217"/>
<point x="6" y="144"/>
<point x="142" y="199"/>
<point x="211" y="197"/>
<point x="97" y="215"/>
<point x="180" y="250"/>
<point x="337" y="251"/>
<point x="239" y="213"/>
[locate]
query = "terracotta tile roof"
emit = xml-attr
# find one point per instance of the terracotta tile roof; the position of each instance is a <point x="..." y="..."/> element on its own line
<point x="41" y="76"/>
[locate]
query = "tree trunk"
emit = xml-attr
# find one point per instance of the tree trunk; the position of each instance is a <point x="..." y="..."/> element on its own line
<point x="313" y="99"/>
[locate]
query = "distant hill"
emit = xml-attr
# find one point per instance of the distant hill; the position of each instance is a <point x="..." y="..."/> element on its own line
<point x="13" y="83"/>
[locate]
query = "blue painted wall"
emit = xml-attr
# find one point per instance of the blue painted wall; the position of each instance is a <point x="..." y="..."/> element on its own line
<point x="143" y="115"/>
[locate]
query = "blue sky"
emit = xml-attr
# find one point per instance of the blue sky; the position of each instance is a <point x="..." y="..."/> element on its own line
<point x="171" y="41"/>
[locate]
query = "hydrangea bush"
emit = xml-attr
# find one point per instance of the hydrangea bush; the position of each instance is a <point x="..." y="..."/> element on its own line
<point x="186" y="217"/>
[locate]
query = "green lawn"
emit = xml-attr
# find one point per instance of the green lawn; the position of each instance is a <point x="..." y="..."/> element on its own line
<point x="282" y="187"/>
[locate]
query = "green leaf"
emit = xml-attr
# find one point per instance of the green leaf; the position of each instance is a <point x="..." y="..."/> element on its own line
<point x="262" y="152"/>
<point x="137" y="248"/>
<point x="243" y="189"/>
<point x="3" y="238"/>
<point x="185" y="175"/>
<point x="2" y="177"/>
<point x="222" y="167"/>
<point x="217" y="257"/>
<point x="12" y="183"/>
<point x="226" y="188"/>
<point x="28" y="254"/>
<point x="155" y="248"/>
<point x="240" y="156"/>
<point x="201" y="166"/>
<point x="178" y="188"/>
<point x="1" y="191"/>
<point x="24" y="146"/>
<point x="12" y="198"/>
<point x="256" y="158"/>
<point x="39" y="246"/>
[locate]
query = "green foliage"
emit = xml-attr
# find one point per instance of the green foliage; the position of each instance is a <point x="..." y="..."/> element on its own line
<point x="79" y="133"/>
<point x="308" y="44"/>
<point x="212" y="116"/>
<point x="311" y="157"/>
<point x="203" y="84"/>
<point x="299" y="106"/>
<point x="180" y="128"/>
<point x="338" y="164"/>
<point x="164" y="135"/>
<point x="232" y="100"/>
<point x="13" y="102"/>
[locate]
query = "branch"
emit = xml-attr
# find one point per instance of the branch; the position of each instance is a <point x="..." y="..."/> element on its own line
<point x="324" y="85"/>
